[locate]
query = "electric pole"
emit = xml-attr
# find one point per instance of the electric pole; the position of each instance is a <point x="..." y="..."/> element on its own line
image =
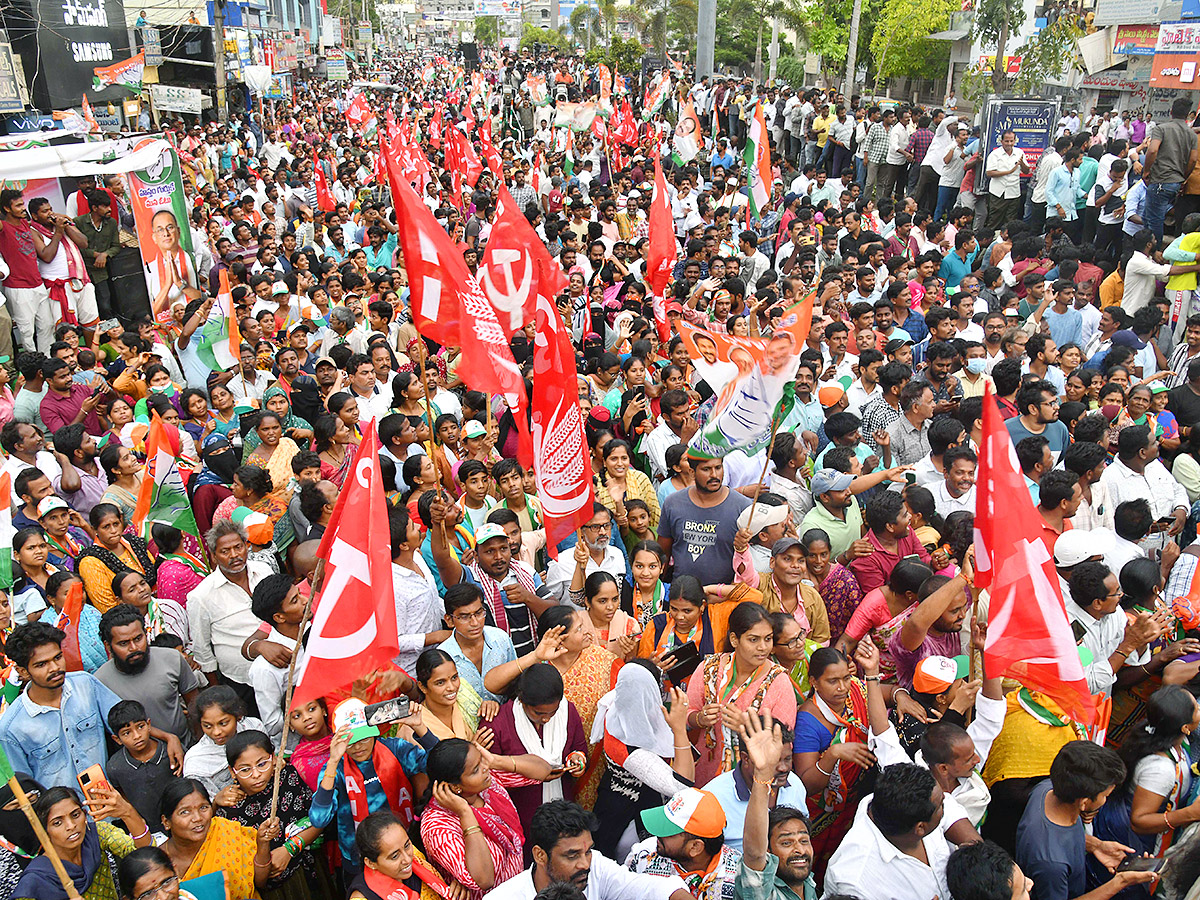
<point x="219" y="59"/>
<point x="852" y="50"/>
<point x="706" y="37"/>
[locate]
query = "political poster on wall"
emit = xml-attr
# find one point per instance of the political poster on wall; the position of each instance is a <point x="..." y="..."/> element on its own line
<point x="161" y="217"/>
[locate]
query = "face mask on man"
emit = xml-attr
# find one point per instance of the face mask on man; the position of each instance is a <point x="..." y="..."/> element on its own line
<point x="977" y="366"/>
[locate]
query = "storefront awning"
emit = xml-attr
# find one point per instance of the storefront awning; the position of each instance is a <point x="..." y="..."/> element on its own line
<point x="954" y="34"/>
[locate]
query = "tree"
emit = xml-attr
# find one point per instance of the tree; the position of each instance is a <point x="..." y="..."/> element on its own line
<point x="1047" y="55"/>
<point x="995" y="21"/>
<point x="622" y="55"/>
<point x="532" y="34"/>
<point x="487" y="31"/>
<point x="585" y="24"/>
<point x="825" y="26"/>
<point x="900" y="45"/>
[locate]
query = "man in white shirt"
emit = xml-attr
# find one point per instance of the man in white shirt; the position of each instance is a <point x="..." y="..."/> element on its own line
<point x="1138" y="473"/>
<point x="560" y="841"/>
<point x="895" y="159"/>
<point x="1094" y="608"/>
<point x="676" y="425"/>
<point x="592" y="553"/>
<point x="373" y="402"/>
<point x="956" y="491"/>
<point x="1004" y="168"/>
<point x="896" y="840"/>
<point x="1141" y="272"/>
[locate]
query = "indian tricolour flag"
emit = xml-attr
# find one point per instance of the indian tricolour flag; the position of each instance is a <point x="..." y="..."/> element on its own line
<point x="220" y="340"/>
<point x="757" y="157"/>
<point x="656" y="95"/>
<point x="7" y="532"/>
<point x="163" y="497"/>
<point x="687" y="135"/>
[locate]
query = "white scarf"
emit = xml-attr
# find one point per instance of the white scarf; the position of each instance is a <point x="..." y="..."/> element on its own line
<point x="549" y="745"/>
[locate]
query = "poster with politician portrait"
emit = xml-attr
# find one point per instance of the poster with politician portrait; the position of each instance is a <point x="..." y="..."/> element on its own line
<point x="164" y="235"/>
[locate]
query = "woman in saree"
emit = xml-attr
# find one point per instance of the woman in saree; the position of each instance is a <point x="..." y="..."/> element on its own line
<point x="114" y="551"/>
<point x="589" y="672"/>
<point x="178" y="570"/>
<point x="345" y="407"/>
<point x="452" y="707"/>
<point x="334" y="443"/>
<point x="124" y="478"/>
<point x="829" y="752"/>
<point x="253" y="488"/>
<point x="225" y="417"/>
<point x="273" y="453"/>
<point x="146" y="874"/>
<point x="1141" y="591"/>
<point x="87" y="846"/>
<point x="294" y="428"/>
<point x="883" y="611"/>
<point x="835" y="583"/>
<point x="471" y="829"/>
<point x="729" y="685"/>
<point x="199" y="843"/>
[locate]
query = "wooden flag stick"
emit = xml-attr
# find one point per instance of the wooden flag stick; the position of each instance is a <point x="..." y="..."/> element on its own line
<point x="763" y="476"/>
<point x="287" y="706"/>
<point x="43" y="839"/>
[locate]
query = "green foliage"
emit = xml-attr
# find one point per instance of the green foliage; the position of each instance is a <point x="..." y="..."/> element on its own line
<point x="975" y="85"/>
<point x="825" y="25"/>
<point x="487" y="32"/>
<point x="625" y="55"/>
<point x="1049" y="54"/>
<point x="790" y="70"/>
<point x="532" y="34"/>
<point x="899" y="45"/>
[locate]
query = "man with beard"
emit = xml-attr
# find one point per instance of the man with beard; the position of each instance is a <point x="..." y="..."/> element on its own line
<point x="776" y="848"/>
<point x="560" y="839"/>
<point x="52" y="698"/>
<point x="157" y="677"/>
<point x="700" y="524"/>
<point x="219" y="611"/>
<point x="592" y="553"/>
<point x="513" y="592"/>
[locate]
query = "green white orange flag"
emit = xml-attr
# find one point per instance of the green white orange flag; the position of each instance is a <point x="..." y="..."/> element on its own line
<point x="127" y="73"/>
<point x="88" y="116"/>
<point x="687" y="135"/>
<point x="656" y="95"/>
<point x="220" y="340"/>
<point x="163" y="497"/>
<point x="757" y="157"/>
<point x="7" y="532"/>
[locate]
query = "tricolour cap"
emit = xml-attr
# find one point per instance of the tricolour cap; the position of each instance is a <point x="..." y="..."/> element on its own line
<point x="935" y="674"/>
<point x="692" y="811"/>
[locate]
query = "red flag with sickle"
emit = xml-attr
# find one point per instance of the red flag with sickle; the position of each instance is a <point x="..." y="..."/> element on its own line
<point x="495" y="163"/>
<point x="516" y="268"/>
<point x="435" y="128"/>
<point x="663" y="252"/>
<point x="449" y="306"/>
<point x="466" y="161"/>
<point x="1028" y="636"/>
<point x="325" y="201"/>
<point x="354" y="620"/>
<point x="560" y="459"/>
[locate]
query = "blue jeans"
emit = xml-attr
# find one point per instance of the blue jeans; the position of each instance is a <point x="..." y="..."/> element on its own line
<point x="946" y="195"/>
<point x="1159" y="199"/>
<point x="860" y="171"/>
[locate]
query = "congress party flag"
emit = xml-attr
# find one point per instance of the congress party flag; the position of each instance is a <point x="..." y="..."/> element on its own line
<point x="128" y="74"/>
<point x="757" y="157"/>
<point x="163" y="497"/>
<point x="220" y="341"/>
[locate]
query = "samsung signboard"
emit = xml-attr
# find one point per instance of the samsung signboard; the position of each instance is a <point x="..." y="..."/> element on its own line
<point x="78" y="36"/>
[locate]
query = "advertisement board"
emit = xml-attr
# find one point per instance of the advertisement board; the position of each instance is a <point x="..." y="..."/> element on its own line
<point x="1136" y="40"/>
<point x="169" y="98"/>
<point x="1031" y="120"/>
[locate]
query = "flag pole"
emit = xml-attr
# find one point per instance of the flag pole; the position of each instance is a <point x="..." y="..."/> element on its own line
<point x="43" y="839"/>
<point x="287" y="706"/>
<point x="766" y="462"/>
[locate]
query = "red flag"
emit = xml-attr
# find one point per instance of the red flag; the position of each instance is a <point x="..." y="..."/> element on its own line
<point x="380" y="169"/>
<point x="664" y="250"/>
<point x="560" y="459"/>
<point x="516" y="268"/>
<point x="325" y="201"/>
<point x="358" y="113"/>
<point x="435" y="129"/>
<point x="466" y="161"/>
<point x="495" y="163"/>
<point x="68" y="623"/>
<point x="354" y="620"/>
<point x="623" y="125"/>
<point x="448" y="305"/>
<point x="1028" y="636"/>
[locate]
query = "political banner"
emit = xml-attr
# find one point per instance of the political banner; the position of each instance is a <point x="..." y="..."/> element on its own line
<point x="335" y="65"/>
<point x="160" y="213"/>
<point x="1032" y="121"/>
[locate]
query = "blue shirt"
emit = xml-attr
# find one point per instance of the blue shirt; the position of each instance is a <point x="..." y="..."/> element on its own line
<point x="328" y="803"/>
<point x="497" y="650"/>
<point x="55" y="745"/>
<point x="1054" y="856"/>
<point x="733" y="792"/>
<point x="1063" y="189"/>
<point x="1065" y="328"/>
<point x="384" y="256"/>
<point x="954" y="267"/>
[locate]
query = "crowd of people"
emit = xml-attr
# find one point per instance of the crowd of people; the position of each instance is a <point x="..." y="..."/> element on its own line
<point x="758" y="676"/>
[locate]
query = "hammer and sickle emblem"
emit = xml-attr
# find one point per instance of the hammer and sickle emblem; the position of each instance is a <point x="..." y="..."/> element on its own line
<point x="510" y="296"/>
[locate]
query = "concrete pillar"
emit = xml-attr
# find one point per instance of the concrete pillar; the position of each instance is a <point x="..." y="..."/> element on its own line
<point x="706" y="36"/>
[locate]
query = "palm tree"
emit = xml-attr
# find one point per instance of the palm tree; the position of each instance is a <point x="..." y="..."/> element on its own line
<point x="585" y="23"/>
